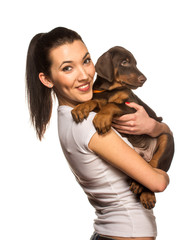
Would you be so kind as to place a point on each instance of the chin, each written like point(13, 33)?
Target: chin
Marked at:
point(85, 97)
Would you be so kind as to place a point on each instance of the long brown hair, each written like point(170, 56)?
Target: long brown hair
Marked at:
point(39, 97)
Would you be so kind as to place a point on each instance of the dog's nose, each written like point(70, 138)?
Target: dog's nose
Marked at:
point(142, 79)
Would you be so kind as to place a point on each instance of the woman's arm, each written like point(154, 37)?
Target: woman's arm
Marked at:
point(139, 123)
point(115, 151)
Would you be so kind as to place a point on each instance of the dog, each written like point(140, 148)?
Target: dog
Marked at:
point(117, 76)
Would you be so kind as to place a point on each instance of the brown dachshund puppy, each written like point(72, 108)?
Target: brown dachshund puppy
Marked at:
point(117, 75)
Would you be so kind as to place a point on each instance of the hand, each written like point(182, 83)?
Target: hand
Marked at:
point(135, 123)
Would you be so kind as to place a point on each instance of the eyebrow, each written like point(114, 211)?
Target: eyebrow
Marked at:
point(72, 61)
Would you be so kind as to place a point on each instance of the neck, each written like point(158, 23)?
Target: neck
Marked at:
point(63, 101)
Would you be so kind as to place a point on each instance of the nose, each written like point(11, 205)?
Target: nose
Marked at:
point(142, 79)
point(82, 74)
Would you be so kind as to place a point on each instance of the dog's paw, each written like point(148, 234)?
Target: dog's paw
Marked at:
point(102, 123)
point(148, 199)
point(135, 187)
point(80, 112)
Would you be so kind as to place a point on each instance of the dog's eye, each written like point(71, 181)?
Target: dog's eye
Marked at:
point(125, 62)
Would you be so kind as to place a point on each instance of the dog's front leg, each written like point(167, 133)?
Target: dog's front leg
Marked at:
point(103, 119)
point(82, 110)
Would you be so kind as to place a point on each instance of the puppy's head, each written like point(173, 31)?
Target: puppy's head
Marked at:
point(117, 68)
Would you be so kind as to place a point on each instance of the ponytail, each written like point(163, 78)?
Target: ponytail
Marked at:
point(39, 97)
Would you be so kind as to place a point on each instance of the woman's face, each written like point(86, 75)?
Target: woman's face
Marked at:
point(72, 73)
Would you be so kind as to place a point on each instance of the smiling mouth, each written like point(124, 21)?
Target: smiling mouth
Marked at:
point(85, 87)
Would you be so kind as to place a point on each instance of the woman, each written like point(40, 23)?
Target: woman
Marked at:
point(59, 62)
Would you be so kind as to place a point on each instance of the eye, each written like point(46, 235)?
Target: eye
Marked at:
point(87, 60)
point(67, 69)
point(125, 62)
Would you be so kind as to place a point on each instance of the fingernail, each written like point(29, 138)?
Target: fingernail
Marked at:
point(127, 102)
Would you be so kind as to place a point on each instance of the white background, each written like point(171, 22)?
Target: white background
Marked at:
point(39, 197)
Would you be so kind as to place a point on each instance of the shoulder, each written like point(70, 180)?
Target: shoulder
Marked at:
point(66, 119)
point(68, 129)
point(84, 130)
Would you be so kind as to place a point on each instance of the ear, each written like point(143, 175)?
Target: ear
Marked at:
point(104, 67)
point(45, 80)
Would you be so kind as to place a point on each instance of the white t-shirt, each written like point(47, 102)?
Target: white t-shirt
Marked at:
point(118, 211)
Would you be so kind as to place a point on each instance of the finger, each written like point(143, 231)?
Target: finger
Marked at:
point(124, 118)
point(120, 127)
point(133, 105)
point(124, 129)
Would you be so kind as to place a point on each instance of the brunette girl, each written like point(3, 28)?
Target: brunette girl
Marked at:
point(58, 62)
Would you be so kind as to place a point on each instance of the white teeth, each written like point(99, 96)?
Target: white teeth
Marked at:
point(84, 86)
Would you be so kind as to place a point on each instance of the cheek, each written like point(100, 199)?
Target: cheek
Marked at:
point(92, 71)
point(61, 82)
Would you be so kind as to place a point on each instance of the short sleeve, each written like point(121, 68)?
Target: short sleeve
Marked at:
point(83, 132)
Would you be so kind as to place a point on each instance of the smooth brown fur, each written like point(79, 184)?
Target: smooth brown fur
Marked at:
point(117, 75)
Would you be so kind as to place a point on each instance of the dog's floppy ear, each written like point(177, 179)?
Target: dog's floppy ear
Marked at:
point(104, 67)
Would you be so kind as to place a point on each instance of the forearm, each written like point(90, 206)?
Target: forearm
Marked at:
point(127, 160)
point(164, 178)
point(157, 128)
point(139, 123)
